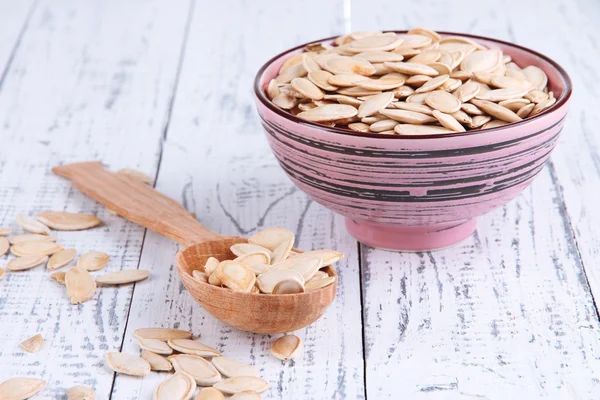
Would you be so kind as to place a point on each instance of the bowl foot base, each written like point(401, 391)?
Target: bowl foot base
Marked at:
point(410, 238)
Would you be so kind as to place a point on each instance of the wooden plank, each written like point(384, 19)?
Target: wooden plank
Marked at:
point(217, 163)
point(509, 312)
point(88, 82)
point(15, 16)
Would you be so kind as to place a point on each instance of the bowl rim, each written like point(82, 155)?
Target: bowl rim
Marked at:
point(260, 95)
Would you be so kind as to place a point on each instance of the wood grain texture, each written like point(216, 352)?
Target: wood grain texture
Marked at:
point(216, 162)
point(509, 313)
point(89, 81)
point(15, 18)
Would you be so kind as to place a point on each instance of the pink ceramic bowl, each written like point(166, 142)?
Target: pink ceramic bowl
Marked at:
point(420, 192)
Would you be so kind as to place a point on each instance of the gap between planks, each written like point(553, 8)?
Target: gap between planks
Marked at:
point(164, 137)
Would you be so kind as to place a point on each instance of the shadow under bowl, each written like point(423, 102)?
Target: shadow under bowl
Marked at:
point(252, 312)
point(414, 193)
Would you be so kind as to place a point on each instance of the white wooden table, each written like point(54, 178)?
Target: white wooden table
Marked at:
point(164, 86)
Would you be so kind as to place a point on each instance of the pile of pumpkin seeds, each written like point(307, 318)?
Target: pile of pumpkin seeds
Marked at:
point(267, 264)
point(39, 247)
point(408, 84)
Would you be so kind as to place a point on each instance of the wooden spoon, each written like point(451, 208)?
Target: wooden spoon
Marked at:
point(140, 203)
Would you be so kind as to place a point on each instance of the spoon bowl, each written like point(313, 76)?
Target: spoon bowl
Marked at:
point(140, 203)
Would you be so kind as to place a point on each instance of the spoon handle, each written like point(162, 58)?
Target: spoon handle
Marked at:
point(136, 202)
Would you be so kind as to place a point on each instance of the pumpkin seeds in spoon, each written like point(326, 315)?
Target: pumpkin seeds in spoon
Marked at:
point(179, 386)
point(319, 283)
point(240, 249)
point(66, 221)
point(157, 362)
point(203, 372)
point(328, 256)
point(32, 225)
point(266, 282)
point(128, 364)
point(235, 276)
point(93, 260)
point(23, 263)
point(241, 384)
point(123, 277)
point(290, 286)
point(163, 334)
point(80, 285)
point(305, 266)
point(286, 347)
point(193, 347)
point(232, 368)
point(61, 258)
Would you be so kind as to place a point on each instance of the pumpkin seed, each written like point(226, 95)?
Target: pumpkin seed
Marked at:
point(179, 386)
point(345, 80)
point(295, 71)
point(4, 231)
point(467, 91)
point(240, 249)
point(524, 111)
point(319, 283)
point(409, 68)
point(126, 363)
point(307, 88)
point(327, 256)
point(286, 347)
point(514, 104)
point(32, 225)
point(23, 263)
point(481, 61)
point(329, 112)
point(494, 124)
point(479, 120)
point(193, 347)
point(496, 110)
point(30, 237)
point(285, 101)
point(348, 65)
point(536, 96)
point(231, 368)
point(81, 393)
point(240, 384)
point(536, 76)
point(289, 286)
point(409, 117)
point(542, 106)
point(210, 393)
point(157, 363)
point(122, 277)
point(59, 276)
point(35, 248)
point(203, 372)
point(4, 245)
point(433, 84)
point(306, 266)
point(93, 260)
point(163, 334)
point(272, 89)
point(379, 56)
point(246, 395)
point(442, 101)
point(21, 388)
point(61, 258)
point(375, 43)
point(375, 104)
point(33, 344)
point(448, 121)
point(418, 80)
point(155, 346)
point(383, 125)
point(66, 221)
point(235, 276)
point(80, 285)
point(502, 94)
point(359, 127)
point(200, 276)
